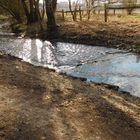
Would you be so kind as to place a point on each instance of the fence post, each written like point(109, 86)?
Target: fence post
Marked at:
point(80, 14)
point(105, 12)
point(63, 16)
point(114, 12)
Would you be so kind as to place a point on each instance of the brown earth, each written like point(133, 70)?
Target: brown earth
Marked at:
point(39, 104)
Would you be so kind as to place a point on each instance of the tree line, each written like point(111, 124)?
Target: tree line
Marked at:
point(90, 6)
point(30, 11)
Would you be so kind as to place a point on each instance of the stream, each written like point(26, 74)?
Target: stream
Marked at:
point(96, 64)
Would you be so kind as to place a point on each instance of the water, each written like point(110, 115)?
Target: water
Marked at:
point(96, 64)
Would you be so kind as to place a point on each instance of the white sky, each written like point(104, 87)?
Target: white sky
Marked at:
point(57, 1)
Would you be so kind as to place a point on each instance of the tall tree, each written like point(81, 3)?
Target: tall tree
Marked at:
point(31, 10)
point(50, 12)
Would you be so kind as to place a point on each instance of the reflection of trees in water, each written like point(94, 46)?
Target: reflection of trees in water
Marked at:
point(18, 47)
point(138, 59)
point(34, 55)
point(24, 49)
point(48, 54)
point(42, 52)
point(34, 51)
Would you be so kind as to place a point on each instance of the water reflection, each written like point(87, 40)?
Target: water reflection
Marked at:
point(97, 64)
point(34, 51)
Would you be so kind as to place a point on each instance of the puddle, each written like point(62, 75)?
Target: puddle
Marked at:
point(96, 64)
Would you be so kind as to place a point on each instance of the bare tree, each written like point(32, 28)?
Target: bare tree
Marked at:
point(129, 4)
point(73, 7)
point(89, 7)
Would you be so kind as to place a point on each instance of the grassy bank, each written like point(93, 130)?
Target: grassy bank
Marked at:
point(3, 17)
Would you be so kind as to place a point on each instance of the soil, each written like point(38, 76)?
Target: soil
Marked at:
point(40, 104)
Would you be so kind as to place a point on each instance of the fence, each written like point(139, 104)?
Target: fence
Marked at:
point(106, 9)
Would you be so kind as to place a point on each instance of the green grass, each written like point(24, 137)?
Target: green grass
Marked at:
point(137, 16)
point(2, 17)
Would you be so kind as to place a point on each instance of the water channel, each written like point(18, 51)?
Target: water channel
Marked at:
point(96, 64)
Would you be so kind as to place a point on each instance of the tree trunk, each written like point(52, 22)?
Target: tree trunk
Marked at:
point(33, 12)
point(27, 13)
point(50, 11)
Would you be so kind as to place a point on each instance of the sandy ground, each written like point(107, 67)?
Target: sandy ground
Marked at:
point(39, 104)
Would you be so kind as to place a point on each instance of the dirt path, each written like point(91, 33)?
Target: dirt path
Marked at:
point(39, 104)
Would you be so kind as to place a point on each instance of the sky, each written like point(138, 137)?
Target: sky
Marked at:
point(57, 0)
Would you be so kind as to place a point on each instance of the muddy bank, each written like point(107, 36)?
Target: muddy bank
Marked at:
point(122, 35)
point(37, 103)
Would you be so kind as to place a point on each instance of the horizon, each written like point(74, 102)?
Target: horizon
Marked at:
point(41, 1)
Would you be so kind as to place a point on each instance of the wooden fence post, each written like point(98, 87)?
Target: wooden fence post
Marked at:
point(105, 12)
point(80, 13)
point(63, 15)
point(114, 12)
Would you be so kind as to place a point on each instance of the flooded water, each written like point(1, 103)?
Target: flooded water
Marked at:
point(96, 64)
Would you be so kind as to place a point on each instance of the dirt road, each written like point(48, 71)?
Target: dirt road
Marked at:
point(39, 104)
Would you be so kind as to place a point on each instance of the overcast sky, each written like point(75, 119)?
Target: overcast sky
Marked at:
point(57, 0)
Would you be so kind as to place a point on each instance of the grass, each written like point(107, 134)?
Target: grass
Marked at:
point(100, 17)
point(3, 17)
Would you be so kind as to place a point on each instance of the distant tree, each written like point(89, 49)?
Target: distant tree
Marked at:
point(73, 7)
point(89, 7)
